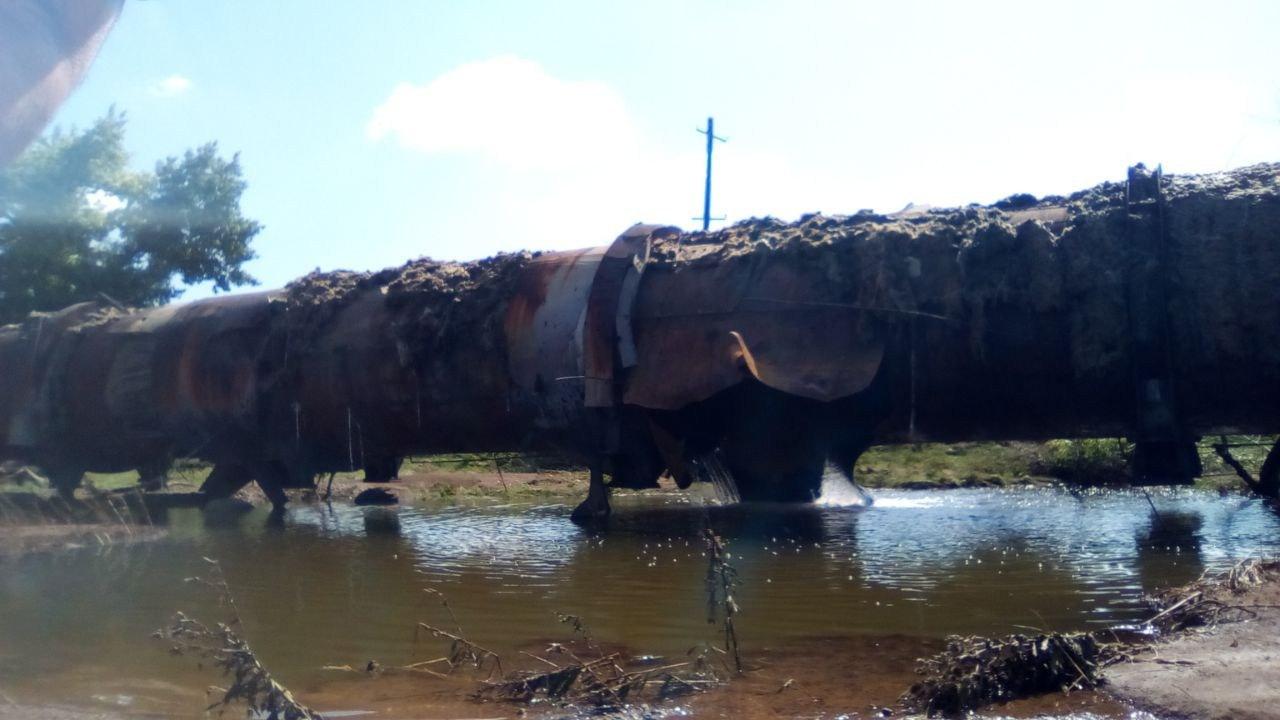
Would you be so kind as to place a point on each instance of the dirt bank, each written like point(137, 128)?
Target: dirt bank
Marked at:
point(1223, 664)
point(434, 485)
point(820, 677)
point(1206, 652)
point(858, 677)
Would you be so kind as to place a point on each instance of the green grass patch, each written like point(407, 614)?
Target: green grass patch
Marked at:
point(1089, 462)
point(107, 482)
point(947, 464)
point(490, 462)
point(1078, 462)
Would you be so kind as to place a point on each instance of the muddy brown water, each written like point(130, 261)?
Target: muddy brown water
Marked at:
point(344, 585)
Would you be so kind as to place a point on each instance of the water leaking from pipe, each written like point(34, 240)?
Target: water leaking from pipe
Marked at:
point(711, 468)
point(911, 368)
point(351, 453)
point(839, 491)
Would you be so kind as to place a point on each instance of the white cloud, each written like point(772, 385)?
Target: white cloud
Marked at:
point(549, 148)
point(565, 165)
point(172, 86)
point(508, 110)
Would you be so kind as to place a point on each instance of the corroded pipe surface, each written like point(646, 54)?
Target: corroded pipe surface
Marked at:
point(997, 323)
point(1147, 309)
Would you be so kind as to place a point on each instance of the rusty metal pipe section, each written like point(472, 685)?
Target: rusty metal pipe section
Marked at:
point(767, 350)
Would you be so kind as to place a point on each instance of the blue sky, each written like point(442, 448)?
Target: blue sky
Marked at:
point(374, 132)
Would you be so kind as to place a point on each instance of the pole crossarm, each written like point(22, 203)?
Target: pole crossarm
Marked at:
point(712, 138)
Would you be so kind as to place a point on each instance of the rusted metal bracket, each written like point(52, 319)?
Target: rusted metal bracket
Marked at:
point(608, 346)
point(1164, 453)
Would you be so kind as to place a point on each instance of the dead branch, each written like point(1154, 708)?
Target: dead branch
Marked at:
point(464, 652)
point(1197, 605)
point(975, 671)
point(230, 653)
point(720, 581)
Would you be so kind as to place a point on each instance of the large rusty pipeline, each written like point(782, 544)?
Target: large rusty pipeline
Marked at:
point(1148, 309)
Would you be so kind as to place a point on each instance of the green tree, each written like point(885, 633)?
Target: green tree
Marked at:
point(75, 223)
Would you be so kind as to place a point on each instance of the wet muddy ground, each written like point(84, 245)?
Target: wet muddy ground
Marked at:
point(836, 601)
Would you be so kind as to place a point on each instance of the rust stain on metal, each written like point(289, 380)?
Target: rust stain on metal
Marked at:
point(544, 333)
point(767, 345)
point(799, 343)
point(627, 255)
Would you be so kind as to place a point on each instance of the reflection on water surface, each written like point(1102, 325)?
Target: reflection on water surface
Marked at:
point(343, 585)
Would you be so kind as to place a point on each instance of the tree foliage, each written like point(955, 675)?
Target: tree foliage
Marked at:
point(76, 223)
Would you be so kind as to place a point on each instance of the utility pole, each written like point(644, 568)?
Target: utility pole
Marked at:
point(710, 132)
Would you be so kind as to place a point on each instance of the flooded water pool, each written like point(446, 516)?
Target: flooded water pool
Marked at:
point(345, 585)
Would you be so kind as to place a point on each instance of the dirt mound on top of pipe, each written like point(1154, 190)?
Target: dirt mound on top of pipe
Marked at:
point(313, 299)
point(440, 322)
point(438, 278)
point(950, 264)
point(443, 300)
point(320, 288)
point(435, 287)
point(1046, 284)
point(1018, 248)
point(80, 315)
point(422, 275)
point(450, 318)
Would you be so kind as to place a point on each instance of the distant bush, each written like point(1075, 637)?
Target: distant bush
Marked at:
point(1104, 461)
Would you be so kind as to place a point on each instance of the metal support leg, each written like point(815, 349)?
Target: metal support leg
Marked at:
point(65, 481)
point(596, 507)
point(154, 476)
point(1165, 453)
point(1175, 462)
point(272, 481)
point(1269, 476)
point(382, 468)
point(225, 480)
